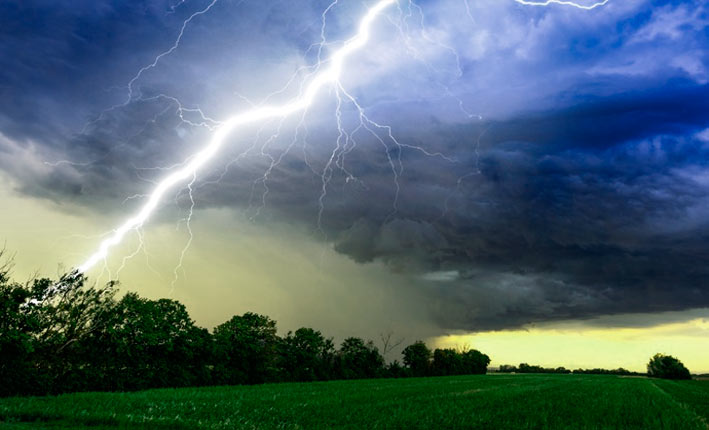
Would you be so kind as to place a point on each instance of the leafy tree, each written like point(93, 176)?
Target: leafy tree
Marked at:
point(46, 324)
point(474, 362)
point(306, 355)
point(16, 338)
point(359, 359)
point(451, 362)
point(245, 349)
point(446, 362)
point(417, 357)
point(667, 367)
point(150, 343)
point(527, 368)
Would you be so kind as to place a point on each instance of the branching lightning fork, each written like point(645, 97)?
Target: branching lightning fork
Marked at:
point(325, 72)
point(327, 76)
point(563, 3)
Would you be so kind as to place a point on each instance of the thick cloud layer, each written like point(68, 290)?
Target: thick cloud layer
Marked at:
point(548, 163)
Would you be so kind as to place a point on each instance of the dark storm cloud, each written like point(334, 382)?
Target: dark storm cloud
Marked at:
point(562, 234)
point(583, 191)
point(673, 108)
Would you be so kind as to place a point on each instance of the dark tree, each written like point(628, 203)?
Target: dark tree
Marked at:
point(44, 328)
point(530, 368)
point(306, 356)
point(245, 350)
point(358, 359)
point(474, 362)
point(451, 362)
point(17, 342)
point(667, 367)
point(150, 343)
point(446, 361)
point(417, 357)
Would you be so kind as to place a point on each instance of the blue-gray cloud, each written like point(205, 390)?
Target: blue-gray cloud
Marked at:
point(573, 181)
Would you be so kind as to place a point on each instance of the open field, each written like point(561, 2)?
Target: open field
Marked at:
point(471, 402)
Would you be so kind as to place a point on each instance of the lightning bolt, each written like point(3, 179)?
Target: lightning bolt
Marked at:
point(563, 3)
point(329, 75)
point(325, 72)
point(169, 51)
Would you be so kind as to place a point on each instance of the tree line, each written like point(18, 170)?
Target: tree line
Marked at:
point(531, 368)
point(69, 336)
point(660, 366)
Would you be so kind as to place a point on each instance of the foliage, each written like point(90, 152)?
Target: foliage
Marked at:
point(245, 349)
point(153, 341)
point(45, 328)
point(618, 371)
point(306, 356)
point(417, 357)
point(358, 359)
point(65, 335)
point(16, 340)
point(526, 368)
point(451, 362)
point(421, 362)
point(474, 362)
point(667, 367)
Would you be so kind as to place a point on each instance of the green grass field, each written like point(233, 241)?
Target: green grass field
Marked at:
point(467, 402)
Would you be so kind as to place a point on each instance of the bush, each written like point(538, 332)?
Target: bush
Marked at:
point(667, 367)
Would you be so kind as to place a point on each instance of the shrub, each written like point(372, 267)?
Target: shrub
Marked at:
point(667, 367)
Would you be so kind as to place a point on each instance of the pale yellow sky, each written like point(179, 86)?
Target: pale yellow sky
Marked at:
point(235, 265)
point(576, 345)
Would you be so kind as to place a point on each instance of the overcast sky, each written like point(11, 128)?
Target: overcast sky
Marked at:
point(545, 164)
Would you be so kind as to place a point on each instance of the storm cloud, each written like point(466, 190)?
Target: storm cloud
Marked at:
point(548, 163)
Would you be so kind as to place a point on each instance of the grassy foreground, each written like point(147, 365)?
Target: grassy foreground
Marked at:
point(462, 402)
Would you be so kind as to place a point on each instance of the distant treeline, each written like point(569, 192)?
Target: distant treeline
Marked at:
point(526, 368)
point(67, 336)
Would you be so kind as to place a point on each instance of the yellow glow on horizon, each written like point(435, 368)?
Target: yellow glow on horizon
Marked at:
point(583, 345)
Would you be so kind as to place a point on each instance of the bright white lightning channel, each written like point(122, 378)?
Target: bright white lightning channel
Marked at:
point(563, 3)
point(330, 75)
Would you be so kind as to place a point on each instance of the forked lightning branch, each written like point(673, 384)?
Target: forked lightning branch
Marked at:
point(328, 72)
